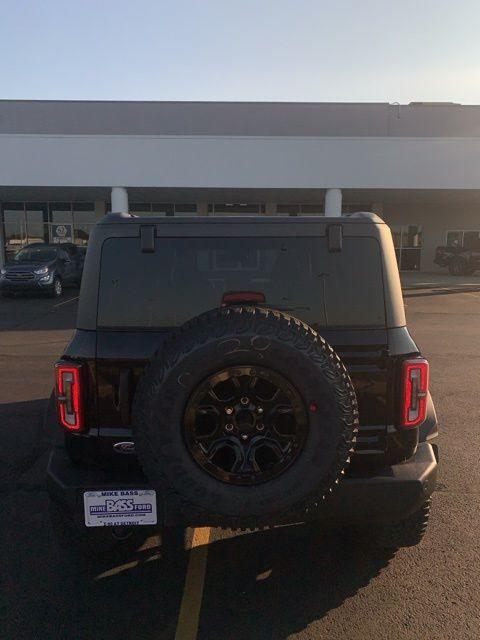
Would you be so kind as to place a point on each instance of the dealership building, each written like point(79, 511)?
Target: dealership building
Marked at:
point(63, 165)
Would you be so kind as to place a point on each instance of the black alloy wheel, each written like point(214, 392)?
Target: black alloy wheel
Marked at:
point(245, 425)
point(57, 287)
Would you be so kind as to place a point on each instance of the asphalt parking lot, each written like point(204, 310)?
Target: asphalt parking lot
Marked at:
point(284, 583)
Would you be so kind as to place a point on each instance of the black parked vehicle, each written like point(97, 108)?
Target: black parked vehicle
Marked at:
point(40, 268)
point(76, 253)
point(461, 259)
point(241, 373)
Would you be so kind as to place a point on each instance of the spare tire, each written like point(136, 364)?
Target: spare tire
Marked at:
point(246, 415)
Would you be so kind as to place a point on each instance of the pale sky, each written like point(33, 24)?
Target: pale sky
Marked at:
point(272, 50)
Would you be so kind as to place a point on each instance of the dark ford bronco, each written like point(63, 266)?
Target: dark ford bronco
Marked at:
point(242, 373)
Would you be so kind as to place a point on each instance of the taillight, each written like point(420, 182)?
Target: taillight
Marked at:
point(415, 391)
point(68, 391)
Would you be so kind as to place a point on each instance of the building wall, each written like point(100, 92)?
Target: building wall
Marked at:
point(436, 220)
point(218, 162)
point(81, 117)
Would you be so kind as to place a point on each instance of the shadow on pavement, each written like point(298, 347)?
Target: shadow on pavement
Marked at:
point(49, 590)
point(439, 292)
point(261, 585)
point(58, 593)
point(34, 313)
point(22, 439)
point(275, 583)
point(268, 584)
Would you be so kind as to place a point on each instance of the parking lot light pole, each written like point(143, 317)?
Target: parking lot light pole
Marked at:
point(333, 202)
point(119, 200)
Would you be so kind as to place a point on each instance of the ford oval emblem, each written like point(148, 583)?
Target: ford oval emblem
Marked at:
point(127, 448)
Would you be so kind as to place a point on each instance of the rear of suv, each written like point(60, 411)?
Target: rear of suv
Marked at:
point(242, 373)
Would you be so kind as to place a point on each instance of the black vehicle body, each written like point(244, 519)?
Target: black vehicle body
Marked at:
point(393, 470)
point(76, 254)
point(38, 275)
point(459, 260)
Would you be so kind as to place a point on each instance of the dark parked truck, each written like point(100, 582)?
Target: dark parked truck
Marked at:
point(242, 373)
point(461, 259)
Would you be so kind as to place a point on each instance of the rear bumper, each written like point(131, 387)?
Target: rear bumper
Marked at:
point(392, 494)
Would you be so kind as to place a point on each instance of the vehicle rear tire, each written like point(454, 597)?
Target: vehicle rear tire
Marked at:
point(402, 533)
point(458, 267)
point(237, 469)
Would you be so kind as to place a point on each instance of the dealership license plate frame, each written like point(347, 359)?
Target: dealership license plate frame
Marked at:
point(120, 507)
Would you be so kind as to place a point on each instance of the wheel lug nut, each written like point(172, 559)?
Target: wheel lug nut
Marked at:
point(260, 426)
point(229, 411)
point(259, 409)
point(229, 426)
point(244, 400)
point(244, 436)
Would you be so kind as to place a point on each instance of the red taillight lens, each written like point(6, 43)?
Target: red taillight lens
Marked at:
point(68, 391)
point(415, 391)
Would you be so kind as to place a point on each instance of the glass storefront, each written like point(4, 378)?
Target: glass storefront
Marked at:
point(300, 209)
point(407, 240)
point(467, 239)
point(27, 222)
point(14, 226)
point(161, 209)
point(235, 209)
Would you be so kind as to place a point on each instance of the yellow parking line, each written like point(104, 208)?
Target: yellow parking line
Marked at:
point(189, 616)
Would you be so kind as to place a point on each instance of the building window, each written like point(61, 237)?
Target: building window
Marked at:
point(28, 222)
point(83, 221)
point(162, 209)
point(15, 227)
point(235, 209)
point(60, 222)
point(185, 209)
point(288, 209)
point(407, 240)
point(300, 209)
point(60, 212)
point(454, 238)
point(312, 209)
point(36, 216)
point(471, 240)
point(463, 238)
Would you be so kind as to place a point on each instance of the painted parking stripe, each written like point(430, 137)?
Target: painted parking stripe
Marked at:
point(59, 304)
point(189, 616)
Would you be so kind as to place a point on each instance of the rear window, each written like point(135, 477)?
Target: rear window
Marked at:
point(187, 276)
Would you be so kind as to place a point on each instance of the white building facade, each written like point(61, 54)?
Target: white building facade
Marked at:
point(64, 164)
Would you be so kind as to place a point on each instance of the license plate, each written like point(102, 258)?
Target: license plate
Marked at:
point(120, 507)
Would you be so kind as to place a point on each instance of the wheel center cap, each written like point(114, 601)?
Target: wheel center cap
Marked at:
point(245, 420)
